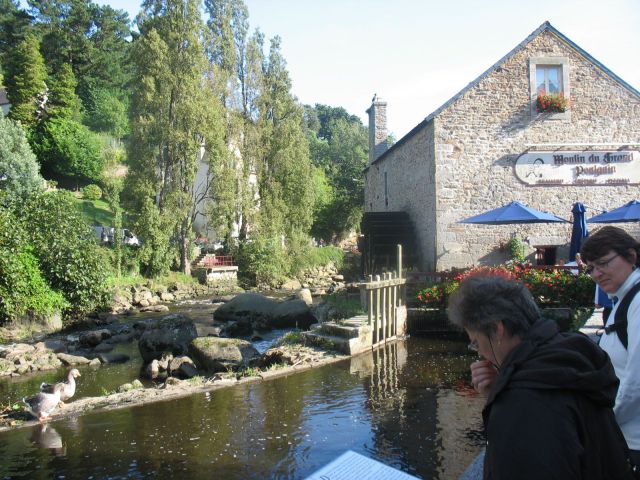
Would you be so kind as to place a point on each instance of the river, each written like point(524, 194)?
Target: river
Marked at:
point(407, 406)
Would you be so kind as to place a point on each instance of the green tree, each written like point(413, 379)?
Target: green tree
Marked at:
point(70, 259)
point(106, 112)
point(339, 145)
point(19, 169)
point(174, 115)
point(14, 25)
point(68, 148)
point(63, 101)
point(25, 79)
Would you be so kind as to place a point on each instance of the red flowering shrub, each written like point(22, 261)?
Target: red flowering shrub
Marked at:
point(551, 102)
point(548, 287)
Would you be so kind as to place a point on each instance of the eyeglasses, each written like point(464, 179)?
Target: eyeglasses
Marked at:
point(601, 266)
point(473, 346)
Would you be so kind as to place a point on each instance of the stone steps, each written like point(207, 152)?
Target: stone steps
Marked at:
point(349, 336)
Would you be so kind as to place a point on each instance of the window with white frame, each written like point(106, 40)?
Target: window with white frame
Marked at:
point(549, 87)
point(549, 79)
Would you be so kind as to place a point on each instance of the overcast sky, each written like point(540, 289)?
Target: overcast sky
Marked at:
point(416, 54)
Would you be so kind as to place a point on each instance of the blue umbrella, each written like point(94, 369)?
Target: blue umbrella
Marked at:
point(579, 231)
point(514, 212)
point(629, 212)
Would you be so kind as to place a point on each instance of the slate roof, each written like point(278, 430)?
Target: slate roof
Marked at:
point(545, 26)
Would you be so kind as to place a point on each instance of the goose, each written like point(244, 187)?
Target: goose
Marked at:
point(43, 404)
point(69, 387)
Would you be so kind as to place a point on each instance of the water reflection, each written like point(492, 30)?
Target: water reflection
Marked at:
point(45, 436)
point(388, 405)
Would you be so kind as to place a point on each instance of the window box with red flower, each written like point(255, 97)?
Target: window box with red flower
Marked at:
point(552, 102)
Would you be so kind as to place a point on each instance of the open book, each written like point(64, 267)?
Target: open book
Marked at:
point(353, 466)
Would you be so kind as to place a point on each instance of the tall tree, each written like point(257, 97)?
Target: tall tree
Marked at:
point(173, 116)
point(63, 101)
point(14, 25)
point(25, 80)
point(285, 174)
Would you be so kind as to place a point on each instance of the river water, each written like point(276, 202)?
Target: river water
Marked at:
point(407, 405)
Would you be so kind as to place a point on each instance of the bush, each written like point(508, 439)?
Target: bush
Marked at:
point(92, 192)
point(549, 287)
point(23, 288)
point(71, 261)
point(18, 164)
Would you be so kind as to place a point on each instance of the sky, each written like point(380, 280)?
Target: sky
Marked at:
point(417, 54)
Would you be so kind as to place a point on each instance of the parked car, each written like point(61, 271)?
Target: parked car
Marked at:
point(105, 235)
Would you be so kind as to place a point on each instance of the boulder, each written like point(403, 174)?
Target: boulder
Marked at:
point(56, 346)
point(214, 354)
point(292, 313)
point(304, 294)
point(171, 335)
point(291, 285)
point(182, 367)
point(73, 359)
point(155, 308)
point(113, 357)
point(167, 297)
point(94, 337)
point(246, 307)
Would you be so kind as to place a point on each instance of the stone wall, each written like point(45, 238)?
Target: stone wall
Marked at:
point(461, 163)
point(410, 188)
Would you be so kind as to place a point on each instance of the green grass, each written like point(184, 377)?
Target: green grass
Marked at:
point(167, 280)
point(96, 212)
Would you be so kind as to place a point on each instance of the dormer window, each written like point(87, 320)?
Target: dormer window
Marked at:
point(549, 82)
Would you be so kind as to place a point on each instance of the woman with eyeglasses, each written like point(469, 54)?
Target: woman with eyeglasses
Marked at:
point(550, 395)
point(612, 255)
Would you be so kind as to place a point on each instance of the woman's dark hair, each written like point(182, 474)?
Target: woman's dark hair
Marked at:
point(483, 300)
point(608, 239)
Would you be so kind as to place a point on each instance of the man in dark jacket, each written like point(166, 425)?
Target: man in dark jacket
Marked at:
point(549, 407)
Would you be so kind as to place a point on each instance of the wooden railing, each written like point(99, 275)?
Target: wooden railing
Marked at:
point(384, 295)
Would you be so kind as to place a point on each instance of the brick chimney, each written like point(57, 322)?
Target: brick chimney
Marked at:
point(377, 128)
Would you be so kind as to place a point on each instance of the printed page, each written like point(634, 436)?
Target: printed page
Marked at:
point(353, 466)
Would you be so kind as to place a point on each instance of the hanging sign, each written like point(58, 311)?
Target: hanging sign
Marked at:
point(618, 167)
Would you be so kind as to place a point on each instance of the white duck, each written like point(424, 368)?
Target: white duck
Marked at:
point(43, 404)
point(69, 387)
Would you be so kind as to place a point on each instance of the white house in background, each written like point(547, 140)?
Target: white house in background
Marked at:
point(4, 101)
point(202, 224)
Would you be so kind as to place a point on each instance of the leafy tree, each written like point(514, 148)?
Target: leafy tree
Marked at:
point(70, 259)
point(19, 169)
point(68, 148)
point(173, 115)
point(25, 79)
point(339, 145)
point(106, 112)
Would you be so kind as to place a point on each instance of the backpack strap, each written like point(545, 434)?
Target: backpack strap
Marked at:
point(620, 321)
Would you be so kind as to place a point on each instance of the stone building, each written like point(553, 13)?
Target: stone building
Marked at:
point(490, 145)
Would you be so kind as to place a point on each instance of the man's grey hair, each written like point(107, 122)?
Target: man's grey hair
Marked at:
point(483, 300)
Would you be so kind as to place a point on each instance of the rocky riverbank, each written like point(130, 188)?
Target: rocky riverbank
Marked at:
point(278, 361)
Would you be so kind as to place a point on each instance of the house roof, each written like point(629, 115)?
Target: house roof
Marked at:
point(545, 26)
point(3, 96)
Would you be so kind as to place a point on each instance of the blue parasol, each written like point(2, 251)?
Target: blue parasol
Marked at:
point(514, 212)
point(579, 231)
point(629, 212)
